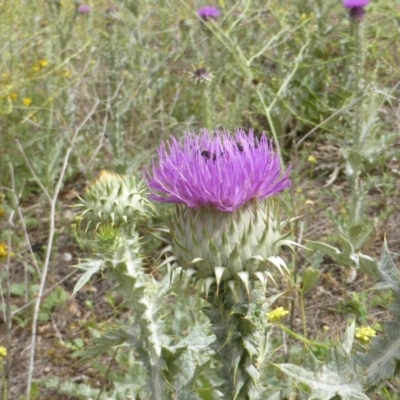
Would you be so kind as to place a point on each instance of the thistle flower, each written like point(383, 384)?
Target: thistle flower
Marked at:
point(201, 75)
point(84, 9)
point(224, 226)
point(208, 12)
point(356, 8)
point(112, 13)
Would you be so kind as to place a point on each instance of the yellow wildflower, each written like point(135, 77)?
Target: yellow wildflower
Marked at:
point(13, 96)
point(3, 249)
point(66, 73)
point(277, 314)
point(312, 160)
point(3, 352)
point(27, 101)
point(36, 68)
point(2, 212)
point(365, 333)
point(43, 63)
point(5, 77)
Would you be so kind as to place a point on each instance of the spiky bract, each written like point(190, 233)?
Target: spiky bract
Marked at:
point(218, 246)
point(116, 199)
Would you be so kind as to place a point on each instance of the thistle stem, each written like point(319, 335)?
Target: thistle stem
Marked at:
point(240, 338)
point(354, 167)
point(302, 338)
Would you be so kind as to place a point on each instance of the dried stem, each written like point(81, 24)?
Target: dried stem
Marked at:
point(53, 202)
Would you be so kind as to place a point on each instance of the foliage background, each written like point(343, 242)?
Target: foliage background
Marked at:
point(80, 93)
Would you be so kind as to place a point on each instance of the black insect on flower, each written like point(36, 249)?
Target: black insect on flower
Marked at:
point(207, 155)
point(239, 146)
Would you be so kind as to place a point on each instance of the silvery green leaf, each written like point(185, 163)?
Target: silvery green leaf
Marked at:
point(91, 267)
point(347, 256)
point(359, 234)
point(354, 161)
point(309, 279)
point(332, 252)
point(335, 378)
point(380, 362)
point(100, 345)
point(79, 391)
point(184, 393)
point(388, 271)
point(198, 339)
point(348, 340)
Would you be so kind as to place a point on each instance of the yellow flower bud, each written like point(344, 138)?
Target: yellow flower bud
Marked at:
point(365, 333)
point(27, 101)
point(312, 160)
point(3, 352)
point(277, 314)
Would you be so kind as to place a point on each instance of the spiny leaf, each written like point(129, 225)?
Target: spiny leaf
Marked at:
point(100, 345)
point(347, 256)
point(90, 268)
point(336, 378)
point(380, 362)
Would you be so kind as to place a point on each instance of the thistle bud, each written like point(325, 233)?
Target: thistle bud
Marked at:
point(116, 199)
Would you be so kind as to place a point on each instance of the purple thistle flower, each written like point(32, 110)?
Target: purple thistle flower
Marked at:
point(220, 171)
point(208, 12)
point(355, 3)
point(356, 8)
point(84, 9)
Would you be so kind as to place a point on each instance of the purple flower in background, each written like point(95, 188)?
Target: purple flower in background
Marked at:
point(356, 8)
point(84, 9)
point(208, 12)
point(355, 3)
point(220, 171)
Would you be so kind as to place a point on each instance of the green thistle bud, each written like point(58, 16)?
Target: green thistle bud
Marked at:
point(116, 199)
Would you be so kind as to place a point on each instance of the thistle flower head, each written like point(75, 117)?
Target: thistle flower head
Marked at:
point(220, 171)
point(355, 3)
point(208, 12)
point(224, 227)
point(84, 9)
point(356, 8)
point(201, 75)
